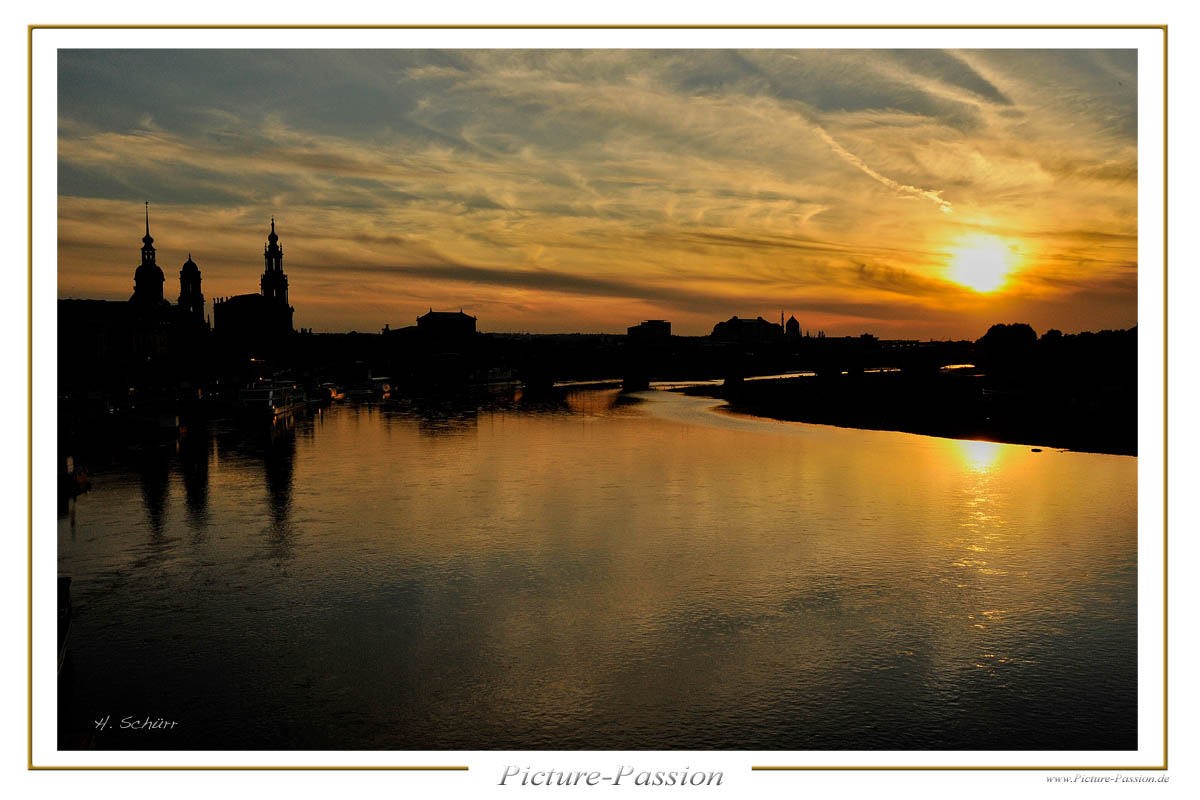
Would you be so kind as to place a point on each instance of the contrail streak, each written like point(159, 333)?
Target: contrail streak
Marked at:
point(912, 191)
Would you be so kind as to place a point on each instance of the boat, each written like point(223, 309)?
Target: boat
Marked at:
point(370, 389)
point(381, 387)
point(271, 401)
point(318, 396)
point(325, 393)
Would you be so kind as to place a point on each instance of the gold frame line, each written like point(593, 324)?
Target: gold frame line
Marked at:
point(29, 320)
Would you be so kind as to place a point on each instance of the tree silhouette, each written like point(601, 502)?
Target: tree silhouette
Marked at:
point(1006, 348)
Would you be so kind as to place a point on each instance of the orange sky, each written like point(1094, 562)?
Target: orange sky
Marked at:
point(907, 193)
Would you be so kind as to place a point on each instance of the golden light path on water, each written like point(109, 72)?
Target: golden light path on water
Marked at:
point(602, 570)
point(978, 456)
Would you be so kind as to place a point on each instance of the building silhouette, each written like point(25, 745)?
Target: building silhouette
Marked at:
point(792, 328)
point(446, 324)
point(651, 331)
point(110, 346)
point(262, 319)
point(148, 277)
point(274, 282)
point(442, 348)
point(147, 324)
point(191, 298)
point(747, 331)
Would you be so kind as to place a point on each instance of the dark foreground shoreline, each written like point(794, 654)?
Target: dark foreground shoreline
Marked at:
point(947, 405)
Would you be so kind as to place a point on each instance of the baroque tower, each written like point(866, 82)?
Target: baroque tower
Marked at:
point(262, 321)
point(274, 285)
point(191, 300)
point(148, 279)
point(274, 282)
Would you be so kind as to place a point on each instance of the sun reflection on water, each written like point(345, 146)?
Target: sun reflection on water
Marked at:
point(978, 456)
point(982, 524)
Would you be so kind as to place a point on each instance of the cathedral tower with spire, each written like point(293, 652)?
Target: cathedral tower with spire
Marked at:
point(274, 282)
point(148, 278)
point(260, 321)
point(274, 285)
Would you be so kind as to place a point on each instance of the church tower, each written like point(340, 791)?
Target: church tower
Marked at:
point(274, 285)
point(191, 300)
point(148, 279)
point(274, 281)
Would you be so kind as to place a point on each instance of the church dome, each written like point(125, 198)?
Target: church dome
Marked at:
point(148, 272)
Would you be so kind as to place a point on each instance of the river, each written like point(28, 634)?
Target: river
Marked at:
point(600, 571)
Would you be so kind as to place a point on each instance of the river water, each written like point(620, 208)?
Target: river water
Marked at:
point(600, 571)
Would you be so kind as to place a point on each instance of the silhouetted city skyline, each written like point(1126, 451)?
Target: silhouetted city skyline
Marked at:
point(267, 313)
point(162, 360)
point(887, 192)
point(595, 399)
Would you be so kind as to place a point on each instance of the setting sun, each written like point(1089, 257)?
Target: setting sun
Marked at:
point(585, 190)
point(982, 263)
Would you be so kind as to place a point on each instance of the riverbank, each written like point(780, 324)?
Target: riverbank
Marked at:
point(1094, 419)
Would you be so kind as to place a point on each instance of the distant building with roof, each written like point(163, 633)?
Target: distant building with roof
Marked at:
point(446, 325)
point(792, 328)
point(651, 331)
point(747, 331)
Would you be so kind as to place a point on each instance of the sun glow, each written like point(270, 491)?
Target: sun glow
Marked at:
point(977, 456)
point(981, 262)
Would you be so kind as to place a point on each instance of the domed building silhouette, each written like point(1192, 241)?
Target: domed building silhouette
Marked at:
point(138, 336)
point(148, 278)
point(191, 299)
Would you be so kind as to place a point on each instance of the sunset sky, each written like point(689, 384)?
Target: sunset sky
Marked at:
point(906, 193)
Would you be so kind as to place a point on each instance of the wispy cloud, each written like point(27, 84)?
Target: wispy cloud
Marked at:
point(585, 188)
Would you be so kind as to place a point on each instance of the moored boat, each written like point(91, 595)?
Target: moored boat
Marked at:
point(271, 401)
